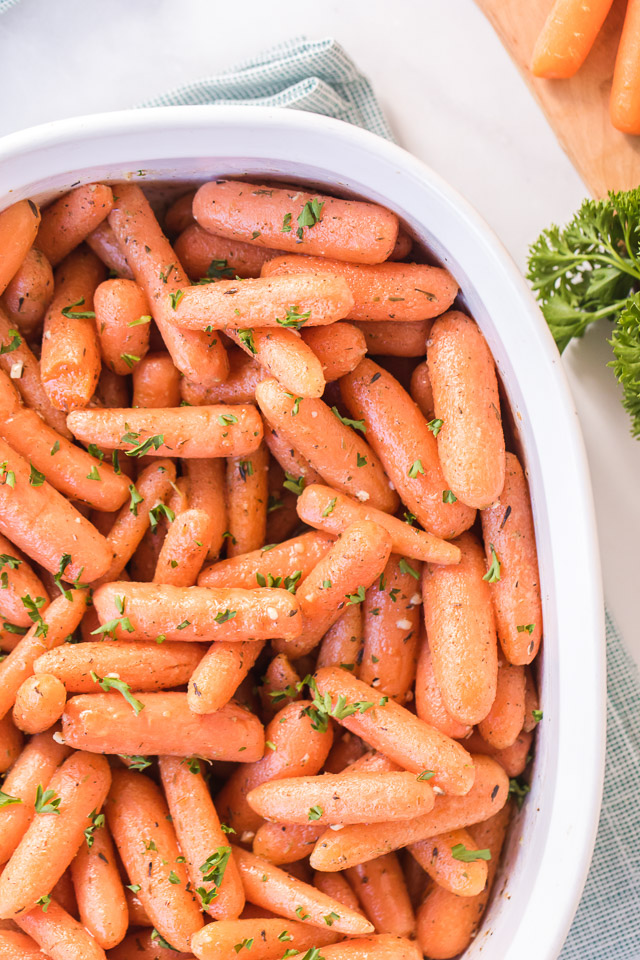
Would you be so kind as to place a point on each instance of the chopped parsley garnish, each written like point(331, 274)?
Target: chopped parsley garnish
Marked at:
point(114, 683)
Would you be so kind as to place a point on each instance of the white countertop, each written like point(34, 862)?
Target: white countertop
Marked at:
point(453, 98)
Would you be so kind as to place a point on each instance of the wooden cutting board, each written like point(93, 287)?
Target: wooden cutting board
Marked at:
point(577, 109)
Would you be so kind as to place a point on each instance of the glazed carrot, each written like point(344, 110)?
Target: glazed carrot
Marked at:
point(267, 939)
point(51, 841)
point(284, 355)
point(402, 440)
point(145, 945)
point(358, 843)
point(391, 616)
point(339, 579)
point(179, 214)
point(292, 898)
point(70, 360)
point(39, 703)
point(216, 431)
point(394, 338)
point(299, 749)
point(343, 798)
point(288, 843)
point(199, 613)
point(220, 672)
point(465, 396)
point(156, 382)
point(282, 519)
point(337, 886)
point(531, 703)
point(205, 255)
point(15, 945)
point(287, 301)
point(143, 666)
point(139, 821)
point(8, 640)
point(625, 99)
point(384, 291)
point(59, 620)
point(239, 387)
point(339, 348)
point(59, 934)
point(105, 245)
point(382, 891)
point(329, 510)
point(341, 645)
point(66, 466)
point(137, 914)
point(508, 527)
point(567, 36)
point(105, 722)
point(279, 686)
point(429, 705)
point(184, 549)
point(281, 560)
point(122, 323)
point(403, 245)
point(338, 453)
point(464, 877)
point(206, 492)
point(246, 496)
point(18, 228)
point(11, 741)
point(112, 391)
point(346, 750)
point(70, 219)
point(421, 392)
point(199, 356)
point(461, 633)
point(382, 947)
point(297, 221)
point(512, 759)
point(447, 923)
point(202, 840)
point(36, 765)
point(17, 579)
point(503, 723)
point(288, 457)
point(19, 358)
point(397, 733)
point(102, 904)
point(29, 293)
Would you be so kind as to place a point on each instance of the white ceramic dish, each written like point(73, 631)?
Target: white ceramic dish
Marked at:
point(552, 840)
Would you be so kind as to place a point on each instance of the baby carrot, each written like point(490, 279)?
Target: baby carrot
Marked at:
point(246, 495)
point(140, 823)
point(509, 536)
point(402, 439)
point(137, 914)
point(357, 843)
point(266, 938)
point(391, 615)
point(102, 904)
point(184, 549)
point(39, 703)
point(625, 98)
point(297, 221)
point(197, 613)
point(394, 731)
point(337, 886)
point(70, 219)
point(531, 702)
point(54, 835)
point(70, 360)
point(279, 686)
point(382, 947)
point(466, 400)
point(29, 293)
point(289, 459)
point(179, 214)
point(49, 630)
point(220, 672)
point(205, 255)
point(239, 387)
point(156, 382)
point(421, 392)
point(59, 934)
point(446, 861)
point(284, 355)
point(206, 492)
point(503, 723)
point(384, 291)
point(329, 510)
point(292, 898)
point(18, 228)
point(198, 355)
point(11, 741)
point(16, 581)
point(341, 645)
point(461, 633)
point(567, 36)
point(286, 842)
point(143, 666)
point(279, 561)
point(122, 323)
point(429, 704)
point(15, 945)
point(381, 889)
point(105, 245)
point(339, 348)
point(513, 759)
point(338, 452)
point(395, 338)
point(107, 723)
point(216, 431)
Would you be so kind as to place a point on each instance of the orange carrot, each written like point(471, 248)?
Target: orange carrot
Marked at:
point(280, 561)
point(220, 672)
point(184, 549)
point(421, 392)
point(54, 835)
point(39, 703)
point(105, 245)
point(507, 528)
point(531, 703)
point(283, 355)
point(246, 496)
point(382, 947)
point(395, 338)
point(239, 387)
point(18, 228)
point(59, 934)
point(205, 255)
point(70, 219)
point(179, 214)
point(464, 877)
point(112, 391)
point(139, 821)
point(102, 904)
point(342, 643)
point(29, 293)
point(122, 322)
point(503, 723)
point(11, 741)
point(339, 348)
point(15, 945)
point(288, 843)
point(429, 705)
point(512, 759)
point(337, 886)
point(16, 581)
point(382, 891)
point(156, 382)
point(137, 914)
point(289, 459)
point(296, 221)
point(567, 36)
point(625, 96)
point(265, 938)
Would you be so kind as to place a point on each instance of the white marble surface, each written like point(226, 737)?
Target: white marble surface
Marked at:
point(453, 98)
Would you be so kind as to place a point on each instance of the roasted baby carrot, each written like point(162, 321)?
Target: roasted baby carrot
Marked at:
point(11, 741)
point(122, 322)
point(220, 672)
point(205, 255)
point(70, 219)
point(265, 938)
point(341, 645)
point(246, 496)
point(567, 36)
point(382, 947)
point(102, 904)
point(179, 214)
point(279, 561)
point(18, 228)
point(156, 382)
point(291, 461)
point(531, 702)
point(282, 843)
point(296, 221)
point(448, 859)
point(512, 759)
point(466, 400)
point(429, 703)
point(337, 886)
point(105, 245)
point(279, 686)
point(381, 889)
point(39, 703)
point(284, 355)
point(206, 492)
point(421, 392)
point(29, 293)
point(395, 338)
point(239, 387)
point(17, 579)
point(59, 934)
point(503, 723)
point(339, 348)
point(107, 723)
point(184, 549)
point(15, 945)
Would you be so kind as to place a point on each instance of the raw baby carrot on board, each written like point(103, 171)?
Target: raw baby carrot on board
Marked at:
point(205, 255)
point(39, 703)
point(105, 245)
point(156, 382)
point(18, 228)
point(283, 354)
point(122, 322)
point(99, 889)
point(625, 89)
point(567, 36)
point(67, 221)
point(296, 221)
point(29, 293)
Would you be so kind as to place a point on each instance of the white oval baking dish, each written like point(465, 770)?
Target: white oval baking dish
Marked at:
point(551, 842)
